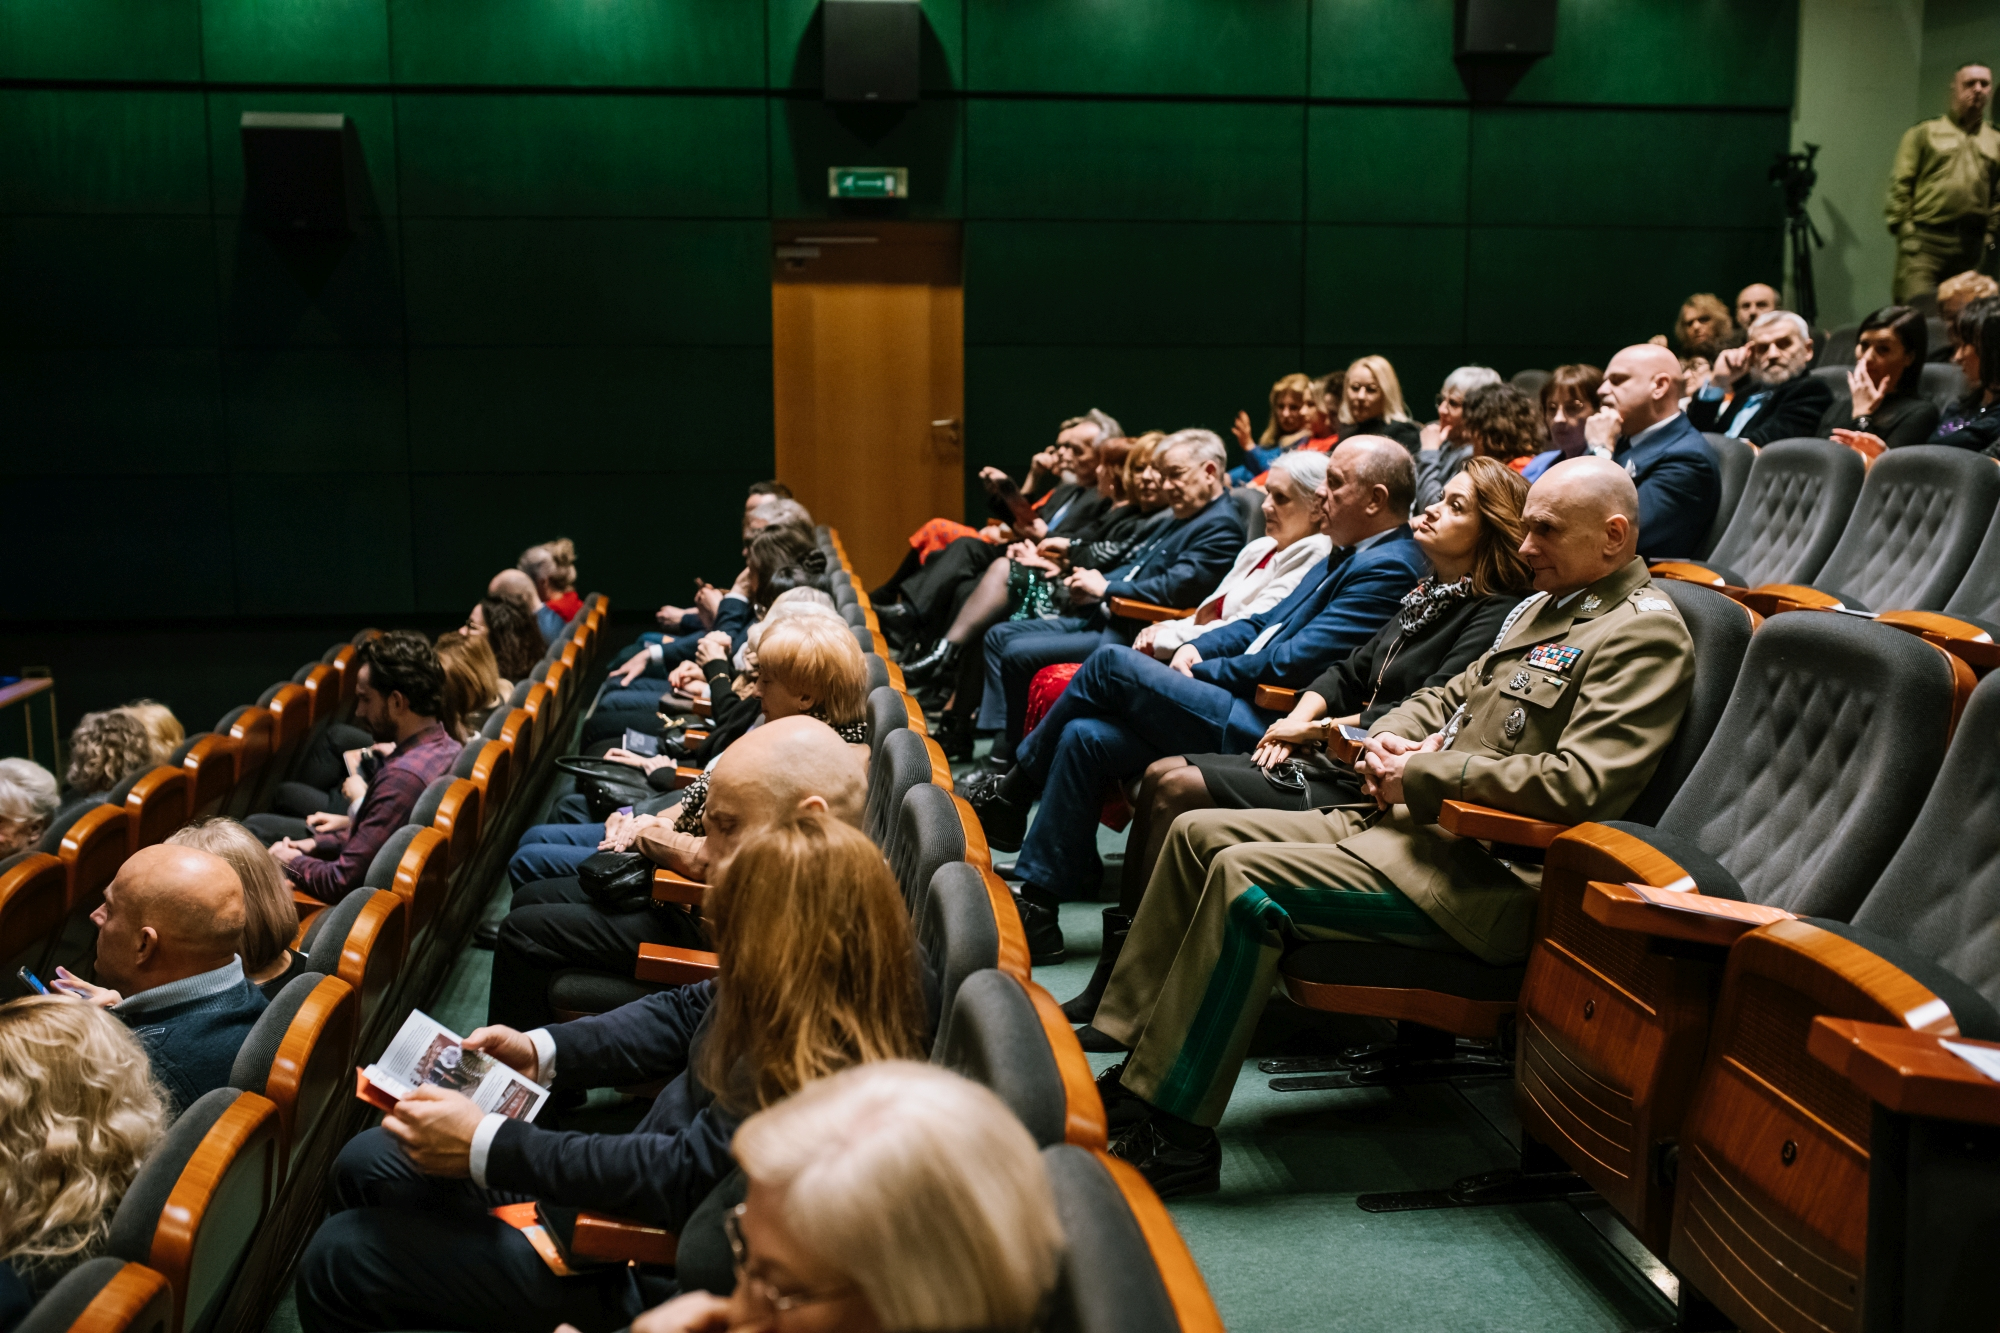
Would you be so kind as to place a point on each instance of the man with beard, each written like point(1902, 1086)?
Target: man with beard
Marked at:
point(1761, 391)
point(1640, 424)
point(398, 695)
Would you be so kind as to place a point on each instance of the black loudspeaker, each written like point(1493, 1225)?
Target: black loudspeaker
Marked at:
point(1505, 28)
point(298, 173)
point(871, 49)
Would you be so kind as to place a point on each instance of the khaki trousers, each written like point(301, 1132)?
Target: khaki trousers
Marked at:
point(1926, 256)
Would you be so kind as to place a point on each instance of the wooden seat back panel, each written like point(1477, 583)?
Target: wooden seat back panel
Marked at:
point(156, 807)
point(216, 1208)
point(371, 956)
point(423, 878)
point(34, 903)
point(309, 1073)
point(458, 819)
point(211, 766)
point(93, 849)
point(291, 719)
point(136, 1300)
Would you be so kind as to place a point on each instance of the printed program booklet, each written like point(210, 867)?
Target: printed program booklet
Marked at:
point(426, 1052)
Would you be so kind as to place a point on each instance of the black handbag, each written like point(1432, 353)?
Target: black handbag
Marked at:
point(606, 786)
point(617, 881)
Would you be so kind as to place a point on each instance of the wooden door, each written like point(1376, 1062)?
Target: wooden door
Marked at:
point(867, 355)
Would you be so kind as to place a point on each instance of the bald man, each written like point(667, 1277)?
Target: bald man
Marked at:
point(796, 763)
point(1564, 719)
point(517, 587)
point(1640, 425)
point(167, 935)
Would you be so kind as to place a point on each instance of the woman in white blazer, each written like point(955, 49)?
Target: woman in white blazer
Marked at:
point(1269, 568)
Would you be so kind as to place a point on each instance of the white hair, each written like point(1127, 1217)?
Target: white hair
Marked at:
point(1204, 445)
point(1467, 378)
point(28, 791)
point(1107, 425)
point(921, 1187)
point(1306, 467)
point(1798, 323)
point(816, 603)
point(775, 510)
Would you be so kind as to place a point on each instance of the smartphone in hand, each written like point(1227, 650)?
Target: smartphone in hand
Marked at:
point(31, 981)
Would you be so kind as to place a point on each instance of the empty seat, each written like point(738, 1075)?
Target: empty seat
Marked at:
point(361, 940)
point(104, 1296)
point(1969, 623)
point(193, 1209)
point(969, 925)
point(322, 686)
point(928, 835)
point(897, 762)
point(1125, 1267)
point(1733, 460)
point(1011, 1036)
point(489, 766)
point(291, 710)
point(300, 1055)
point(1792, 512)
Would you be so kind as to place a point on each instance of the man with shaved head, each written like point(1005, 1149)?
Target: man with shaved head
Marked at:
point(777, 769)
point(167, 935)
point(1563, 719)
point(1124, 708)
point(1640, 425)
point(515, 586)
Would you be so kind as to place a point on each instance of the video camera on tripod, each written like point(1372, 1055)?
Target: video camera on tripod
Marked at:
point(1794, 173)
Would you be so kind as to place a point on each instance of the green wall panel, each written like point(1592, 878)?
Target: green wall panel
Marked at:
point(1392, 49)
point(296, 41)
point(277, 561)
point(144, 558)
point(1688, 52)
point(588, 283)
point(1511, 300)
point(609, 43)
point(1387, 285)
point(106, 281)
point(282, 291)
point(1243, 48)
point(136, 410)
point(330, 411)
point(1380, 164)
point(1140, 284)
point(597, 410)
point(102, 152)
point(374, 119)
point(808, 136)
point(1152, 160)
point(1663, 168)
point(586, 156)
point(100, 39)
point(797, 54)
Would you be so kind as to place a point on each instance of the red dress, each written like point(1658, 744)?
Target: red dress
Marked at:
point(566, 603)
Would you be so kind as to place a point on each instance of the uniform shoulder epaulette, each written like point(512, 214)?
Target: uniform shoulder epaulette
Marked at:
point(1650, 598)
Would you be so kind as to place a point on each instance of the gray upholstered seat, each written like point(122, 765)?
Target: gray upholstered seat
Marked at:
point(67, 814)
point(1110, 1282)
point(1978, 596)
point(853, 614)
point(1793, 509)
point(996, 1038)
point(467, 757)
point(1733, 461)
point(520, 694)
point(928, 835)
point(333, 926)
point(382, 870)
point(1836, 352)
point(426, 808)
point(898, 762)
point(332, 651)
point(64, 1304)
point(1922, 514)
point(877, 669)
point(959, 935)
point(1250, 504)
point(496, 721)
point(580, 991)
point(271, 692)
point(862, 638)
point(1942, 383)
point(260, 1045)
point(886, 713)
point(305, 670)
point(188, 743)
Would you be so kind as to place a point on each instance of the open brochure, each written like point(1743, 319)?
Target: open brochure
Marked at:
point(426, 1052)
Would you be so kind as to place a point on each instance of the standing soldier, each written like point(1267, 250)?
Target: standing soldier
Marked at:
point(1944, 196)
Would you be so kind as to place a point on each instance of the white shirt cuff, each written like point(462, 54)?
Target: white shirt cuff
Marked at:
point(655, 651)
point(545, 1056)
point(734, 596)
point(482, 1144)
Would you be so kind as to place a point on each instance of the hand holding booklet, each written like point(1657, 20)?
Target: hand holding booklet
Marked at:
point(426, 1052)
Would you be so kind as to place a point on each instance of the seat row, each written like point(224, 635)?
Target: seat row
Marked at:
point(205, 1236)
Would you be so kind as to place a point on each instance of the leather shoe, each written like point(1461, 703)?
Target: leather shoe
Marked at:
point(1122, 1108)
point(933, 665)
point(1044, 931)
point(1098, 1042)
point(1169, 1168)
point(486, 935)
point(1005, 820)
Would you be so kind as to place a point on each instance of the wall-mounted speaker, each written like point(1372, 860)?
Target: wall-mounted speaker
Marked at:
point(1505, 28)
point(871, 49)
point(298, 173)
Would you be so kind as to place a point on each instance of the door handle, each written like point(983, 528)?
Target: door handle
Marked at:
point(946, 440)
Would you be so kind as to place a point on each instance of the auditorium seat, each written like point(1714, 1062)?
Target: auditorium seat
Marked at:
point(851, 612)
point(93, 848)
point(1941, 382)
point(540, 706)
point(412, 864)
point(1820, 762)
point(1775, 1155)
point(251, 728)
point(104, 1295)
point(901, 760)
point(1836, 352)
point(1734, 459)
point(211, 767)
point(361, 940)
point(489, 766)
point(886, 713)
point(927, 835)
point(877, 668)
point(1970, 621)
point(195, 1206)
point(291, 719)
point(1794, 507)
point(34, 903)
point(1125, 1267)
point(968, 925)
point(155, 807)
point(1011, 1035)
point(457, 817)
point(1922, 514)
point(300, 1056)
point(321, 683)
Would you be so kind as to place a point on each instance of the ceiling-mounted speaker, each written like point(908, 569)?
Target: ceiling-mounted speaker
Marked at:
point(299, 173)
point(1505, 28)
point(871, 49)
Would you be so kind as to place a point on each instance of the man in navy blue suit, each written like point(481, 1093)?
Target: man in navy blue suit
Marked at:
point(1178, 565)
point(1125, 709)
point(1641, 421)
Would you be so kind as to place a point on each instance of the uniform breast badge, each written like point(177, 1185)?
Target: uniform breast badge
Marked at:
point(1516, 723)
point(1519, 682)
point(1591, 602)
point(1555, 658)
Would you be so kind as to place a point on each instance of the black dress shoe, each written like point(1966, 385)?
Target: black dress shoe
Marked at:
point(486, 935)
point(1083, 1007)
point(1004, 818)
point(1097, 1042)
point(934, 665)
point(900, 614)
point(1044, 931)
point(1170, 1168)
point(1122, 1108)
point(997, 765)
point(954, 735)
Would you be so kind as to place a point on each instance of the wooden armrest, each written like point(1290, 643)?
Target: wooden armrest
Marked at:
point(694, 735)
point(1687, 571)
point(667, 965)
point(305, 899)
point(703, 708)
point(1128, 609)
point(1276, 698)
point(618, 1240)
point(1771, 598)
point(683, 776)
point(1908, 1072)
point(669, 887)
point(1679, 914)
point(1960, 638)
point(1489, 825)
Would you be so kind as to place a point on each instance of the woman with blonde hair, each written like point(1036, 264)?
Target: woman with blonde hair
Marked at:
point(1284, 429)
point(471, 683)
point(816, 971)
point(105, 749)
point(1472, 538)
point(270, 917)
point(892, 1196)
point(79, 1112)
point(161, 725)
point(1371, 403)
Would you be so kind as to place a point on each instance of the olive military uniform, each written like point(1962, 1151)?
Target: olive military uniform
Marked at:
point(1944, 203)
point(1564, 719)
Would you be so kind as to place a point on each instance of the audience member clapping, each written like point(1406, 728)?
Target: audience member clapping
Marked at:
point(79, 1113)
point(28, 801)
point(270, 917)
point(1882, 398)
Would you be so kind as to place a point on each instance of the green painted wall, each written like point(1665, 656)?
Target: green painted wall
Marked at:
point(555, 317)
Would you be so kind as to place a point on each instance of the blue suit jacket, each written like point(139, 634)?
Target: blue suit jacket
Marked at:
point(1679, 489)
point(1185, 563)
point(1336, 608)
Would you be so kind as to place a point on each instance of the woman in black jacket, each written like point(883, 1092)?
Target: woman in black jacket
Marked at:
point(1882, 387)
point(1472, 537)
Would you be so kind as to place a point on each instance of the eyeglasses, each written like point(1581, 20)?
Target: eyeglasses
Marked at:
point(1452, 399)
point(779, 1302)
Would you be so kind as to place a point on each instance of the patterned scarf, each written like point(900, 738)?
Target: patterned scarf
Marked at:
point(1429, 600)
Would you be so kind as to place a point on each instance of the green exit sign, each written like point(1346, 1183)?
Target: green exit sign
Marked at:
point(867, 183)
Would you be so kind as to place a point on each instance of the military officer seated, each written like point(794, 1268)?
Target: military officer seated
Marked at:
point(1564, 719)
